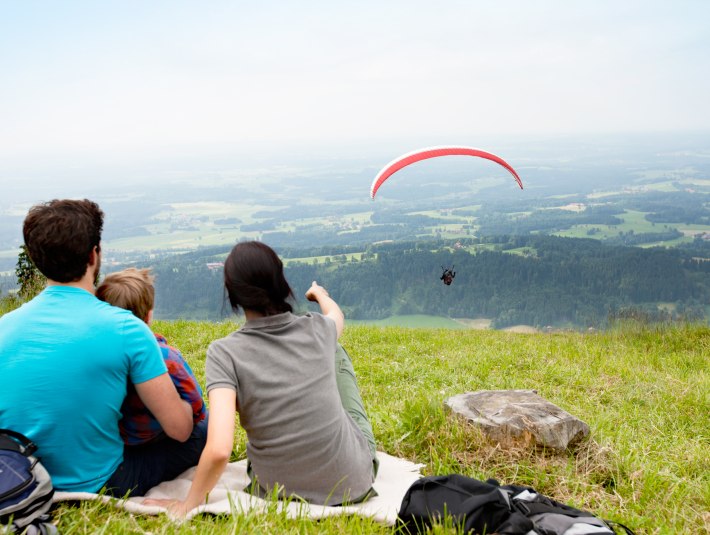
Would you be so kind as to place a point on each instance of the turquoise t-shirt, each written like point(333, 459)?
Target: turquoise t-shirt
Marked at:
point(65, 360)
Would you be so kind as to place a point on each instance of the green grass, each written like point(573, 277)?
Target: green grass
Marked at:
point(8, 303)
point(414, 321)
point(643, 391)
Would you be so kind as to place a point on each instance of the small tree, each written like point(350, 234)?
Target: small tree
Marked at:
point(29, 278)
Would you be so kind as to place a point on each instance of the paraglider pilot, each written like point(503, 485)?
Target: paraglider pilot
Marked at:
point(448, 275)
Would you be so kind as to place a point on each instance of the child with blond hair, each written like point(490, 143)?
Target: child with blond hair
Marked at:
point(133, 290)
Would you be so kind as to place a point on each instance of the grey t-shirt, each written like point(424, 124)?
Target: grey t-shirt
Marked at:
point(299, 436)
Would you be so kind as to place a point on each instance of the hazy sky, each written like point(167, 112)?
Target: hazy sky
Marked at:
point(122, 81)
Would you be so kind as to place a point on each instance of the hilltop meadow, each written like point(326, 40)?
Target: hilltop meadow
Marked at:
point(642, 389)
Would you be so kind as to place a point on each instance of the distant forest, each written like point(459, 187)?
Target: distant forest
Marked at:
point(536, 280)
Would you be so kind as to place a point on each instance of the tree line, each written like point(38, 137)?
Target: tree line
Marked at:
point(536, 280)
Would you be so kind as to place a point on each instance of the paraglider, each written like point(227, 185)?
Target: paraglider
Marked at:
point(433, 152)
point(448, 275)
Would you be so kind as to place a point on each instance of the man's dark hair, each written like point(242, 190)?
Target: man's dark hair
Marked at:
point(254, 279)
point(60, 236)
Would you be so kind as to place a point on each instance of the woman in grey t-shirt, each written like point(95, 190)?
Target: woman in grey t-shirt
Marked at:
point(294, 388)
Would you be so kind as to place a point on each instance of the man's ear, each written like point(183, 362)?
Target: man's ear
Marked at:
point(149, 317)
point(94, 256)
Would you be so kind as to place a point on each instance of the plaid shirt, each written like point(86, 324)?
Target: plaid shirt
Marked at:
point(138, 425)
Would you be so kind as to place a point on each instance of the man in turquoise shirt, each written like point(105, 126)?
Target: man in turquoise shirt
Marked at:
point(66, 359)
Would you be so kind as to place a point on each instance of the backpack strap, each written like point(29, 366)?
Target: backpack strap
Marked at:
point(534, 508)
point(544, 504)
point(20, 444)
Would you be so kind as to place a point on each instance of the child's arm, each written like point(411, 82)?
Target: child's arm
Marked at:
point(186, 383)
point(328, 307)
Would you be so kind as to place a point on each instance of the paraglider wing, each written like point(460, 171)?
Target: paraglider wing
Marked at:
point(434, 152)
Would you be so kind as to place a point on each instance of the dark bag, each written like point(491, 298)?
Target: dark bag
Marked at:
point(25, 486)
point(475, 506)
point(485, 507)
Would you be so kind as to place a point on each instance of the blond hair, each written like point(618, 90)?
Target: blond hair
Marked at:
point(131, 289)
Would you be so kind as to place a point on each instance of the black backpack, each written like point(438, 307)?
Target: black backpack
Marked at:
point(485, 507)
point(25, 486)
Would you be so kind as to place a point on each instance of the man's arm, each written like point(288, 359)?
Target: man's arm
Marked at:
point(161, 398)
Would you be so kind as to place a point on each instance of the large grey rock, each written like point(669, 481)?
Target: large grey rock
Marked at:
point(514, 416)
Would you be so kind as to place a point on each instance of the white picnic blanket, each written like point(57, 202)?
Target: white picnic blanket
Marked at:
point(394, 477)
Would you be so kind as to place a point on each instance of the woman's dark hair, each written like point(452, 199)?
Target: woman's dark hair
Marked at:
point(254, 279)
point(60, 236)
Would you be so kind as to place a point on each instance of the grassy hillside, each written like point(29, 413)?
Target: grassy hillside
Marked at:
point(643, 391)
point(418, 321)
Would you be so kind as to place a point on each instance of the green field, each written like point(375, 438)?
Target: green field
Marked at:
point(633, 221)
point(193, 224)
point(643, 391)
point(414, 321)
point(180, 226)
point(350, 257)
